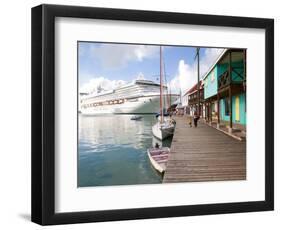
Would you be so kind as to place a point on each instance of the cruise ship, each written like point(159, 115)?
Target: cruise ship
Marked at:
point(137, 97)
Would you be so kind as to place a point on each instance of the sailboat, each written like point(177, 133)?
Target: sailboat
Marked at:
point(164, 127)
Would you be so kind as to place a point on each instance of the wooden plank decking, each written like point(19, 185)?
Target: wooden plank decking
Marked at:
point(204, 154)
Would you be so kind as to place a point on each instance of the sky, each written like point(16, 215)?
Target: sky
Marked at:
point(109, 65)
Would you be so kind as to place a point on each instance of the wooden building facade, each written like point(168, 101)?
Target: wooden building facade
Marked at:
point(225, 90)
point(192, 94)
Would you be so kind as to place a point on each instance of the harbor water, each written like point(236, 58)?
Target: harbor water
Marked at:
point(112, 150)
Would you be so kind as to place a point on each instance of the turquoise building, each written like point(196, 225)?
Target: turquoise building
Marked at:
point(211, 83)
point(238, 107)
point(225, 89)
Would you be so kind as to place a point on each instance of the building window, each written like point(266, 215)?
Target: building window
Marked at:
point(226, 106)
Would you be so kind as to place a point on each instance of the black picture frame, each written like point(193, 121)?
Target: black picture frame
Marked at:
point(43, 114)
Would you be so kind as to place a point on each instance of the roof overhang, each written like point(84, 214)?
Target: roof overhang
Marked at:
point(213, 66)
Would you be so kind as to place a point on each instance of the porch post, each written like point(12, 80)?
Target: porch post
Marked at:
point(245, 79)
point(218, 98)
point(205, 108)
point(210, 110)
point(230, 109)
point(229, 91)
point(230, 67)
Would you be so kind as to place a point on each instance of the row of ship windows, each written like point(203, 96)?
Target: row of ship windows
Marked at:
point(133, 93)
point(113, 102)
point(133, 90)
point(106, 98)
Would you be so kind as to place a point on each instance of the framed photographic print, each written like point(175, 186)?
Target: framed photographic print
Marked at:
point(142, 114)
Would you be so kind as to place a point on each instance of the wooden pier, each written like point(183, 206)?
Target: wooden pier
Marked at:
point(204, 154)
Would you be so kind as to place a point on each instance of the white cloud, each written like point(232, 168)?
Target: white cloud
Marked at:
point(96, 83)
point(100, 82)
point(185, 78)
point(119, 55)
point(187, 74)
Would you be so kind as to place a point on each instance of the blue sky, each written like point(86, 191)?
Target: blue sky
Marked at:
point(109, 64)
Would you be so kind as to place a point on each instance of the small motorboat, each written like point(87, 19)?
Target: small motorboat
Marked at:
point(136, 118)
point(158, 158)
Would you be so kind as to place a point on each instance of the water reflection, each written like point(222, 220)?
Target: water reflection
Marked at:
point(162, 143)
point(112, 150)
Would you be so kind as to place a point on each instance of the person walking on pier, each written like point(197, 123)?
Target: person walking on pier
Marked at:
point(195, 119)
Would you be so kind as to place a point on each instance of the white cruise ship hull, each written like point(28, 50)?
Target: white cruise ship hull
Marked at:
point(140, 105)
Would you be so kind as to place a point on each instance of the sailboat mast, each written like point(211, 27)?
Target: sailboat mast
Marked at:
point(161, 86)
point(170, 98)
point(165, 89)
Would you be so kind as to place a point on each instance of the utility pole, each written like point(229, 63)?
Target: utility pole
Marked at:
point(180, 97)
point(198, 79)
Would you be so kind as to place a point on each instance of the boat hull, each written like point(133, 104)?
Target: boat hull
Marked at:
point(162, 133)
point(140, 105)
point(159, 159)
